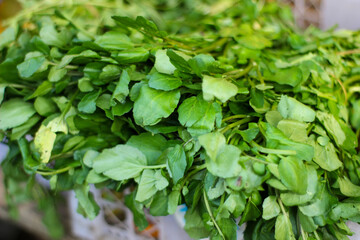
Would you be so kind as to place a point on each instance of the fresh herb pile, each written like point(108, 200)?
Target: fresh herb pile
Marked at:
point(233, 111)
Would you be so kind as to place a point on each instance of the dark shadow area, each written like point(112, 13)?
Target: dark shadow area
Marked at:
point(10, 231)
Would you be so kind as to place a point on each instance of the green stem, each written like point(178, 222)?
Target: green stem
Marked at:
point(155, 166)
point(238, 123)
point(260, 75)
point(316, 235)
point(235, 117)
point(213, 46)
point(282, 208)
point(17, 86)
point(302, 233)
point(211, 215)
point(62, 170)
point(192, 173)
point(272, 151)
point(62, 155)
point(240, 72)
point(187, 142)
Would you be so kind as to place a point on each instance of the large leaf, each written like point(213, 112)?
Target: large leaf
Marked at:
point(120, 162)
point(292, 109)
point(293, 174)
point(283, 228)
point(15, 112)
point(153, 105)
point(222, 159)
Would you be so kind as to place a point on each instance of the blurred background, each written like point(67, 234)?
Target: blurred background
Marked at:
point(321, 13)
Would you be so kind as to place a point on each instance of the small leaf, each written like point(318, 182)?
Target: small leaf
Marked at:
point(176, 162)
point(292, 109)
point(293, 174)
point(219, 88)
point(271, 208)
point(86, 201)
point(283, 228)
point(44, 142)
point(88, 102)
point(348, 188)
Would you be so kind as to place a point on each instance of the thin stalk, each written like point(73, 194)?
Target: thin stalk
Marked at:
point(240, 72)
point(155, 166)
point(62, 155)
point(62, 170)
point(211, 215)
point(302, 233)
point(17, 86)
point(238, 123)
point(235, 117)
point(316, 235)
point(192, 173)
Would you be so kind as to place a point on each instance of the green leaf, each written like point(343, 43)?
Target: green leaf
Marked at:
point(164, 82)
point(201, 63)
point(122, 88)
point(332, 126)
point(251, 212)
point(56, 74)
point(307, 223)
point(321, 203)
point(176, 162)
point(293, 174)
point(254, 41)
point(222, 159)
point(293, 199)
point(197, 114)
point(292, 109)
point(2, 93)
point(283, 228)
point(50, 36)
point(130, 56)
point(235, 204)
point(44, 142)
point(114, 40)
point(153, 105)
point(44, 106)
point(44, 88)
point(33, 62)
point(120, 162)
point(326, 157)
point(152, 146)
point(162, 63)
point(348, 188)
point(86, 201)
point(271, 208)
point(219, 88)
point(88, 102)
point(176, 59)
point(21, 130)
point(137, 210)
point(294, 130)
point(7, 36)
point(15, 112)
point(173, 201)
point(194, 225)
point(151, 181)
point(159, 204)
point(249, 134)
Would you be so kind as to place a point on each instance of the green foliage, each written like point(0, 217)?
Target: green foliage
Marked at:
point(230, 111)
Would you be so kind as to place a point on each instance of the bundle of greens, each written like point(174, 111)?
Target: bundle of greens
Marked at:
point(232, 111)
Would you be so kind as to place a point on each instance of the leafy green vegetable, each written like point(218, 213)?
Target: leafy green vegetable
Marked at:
point(232, 111)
